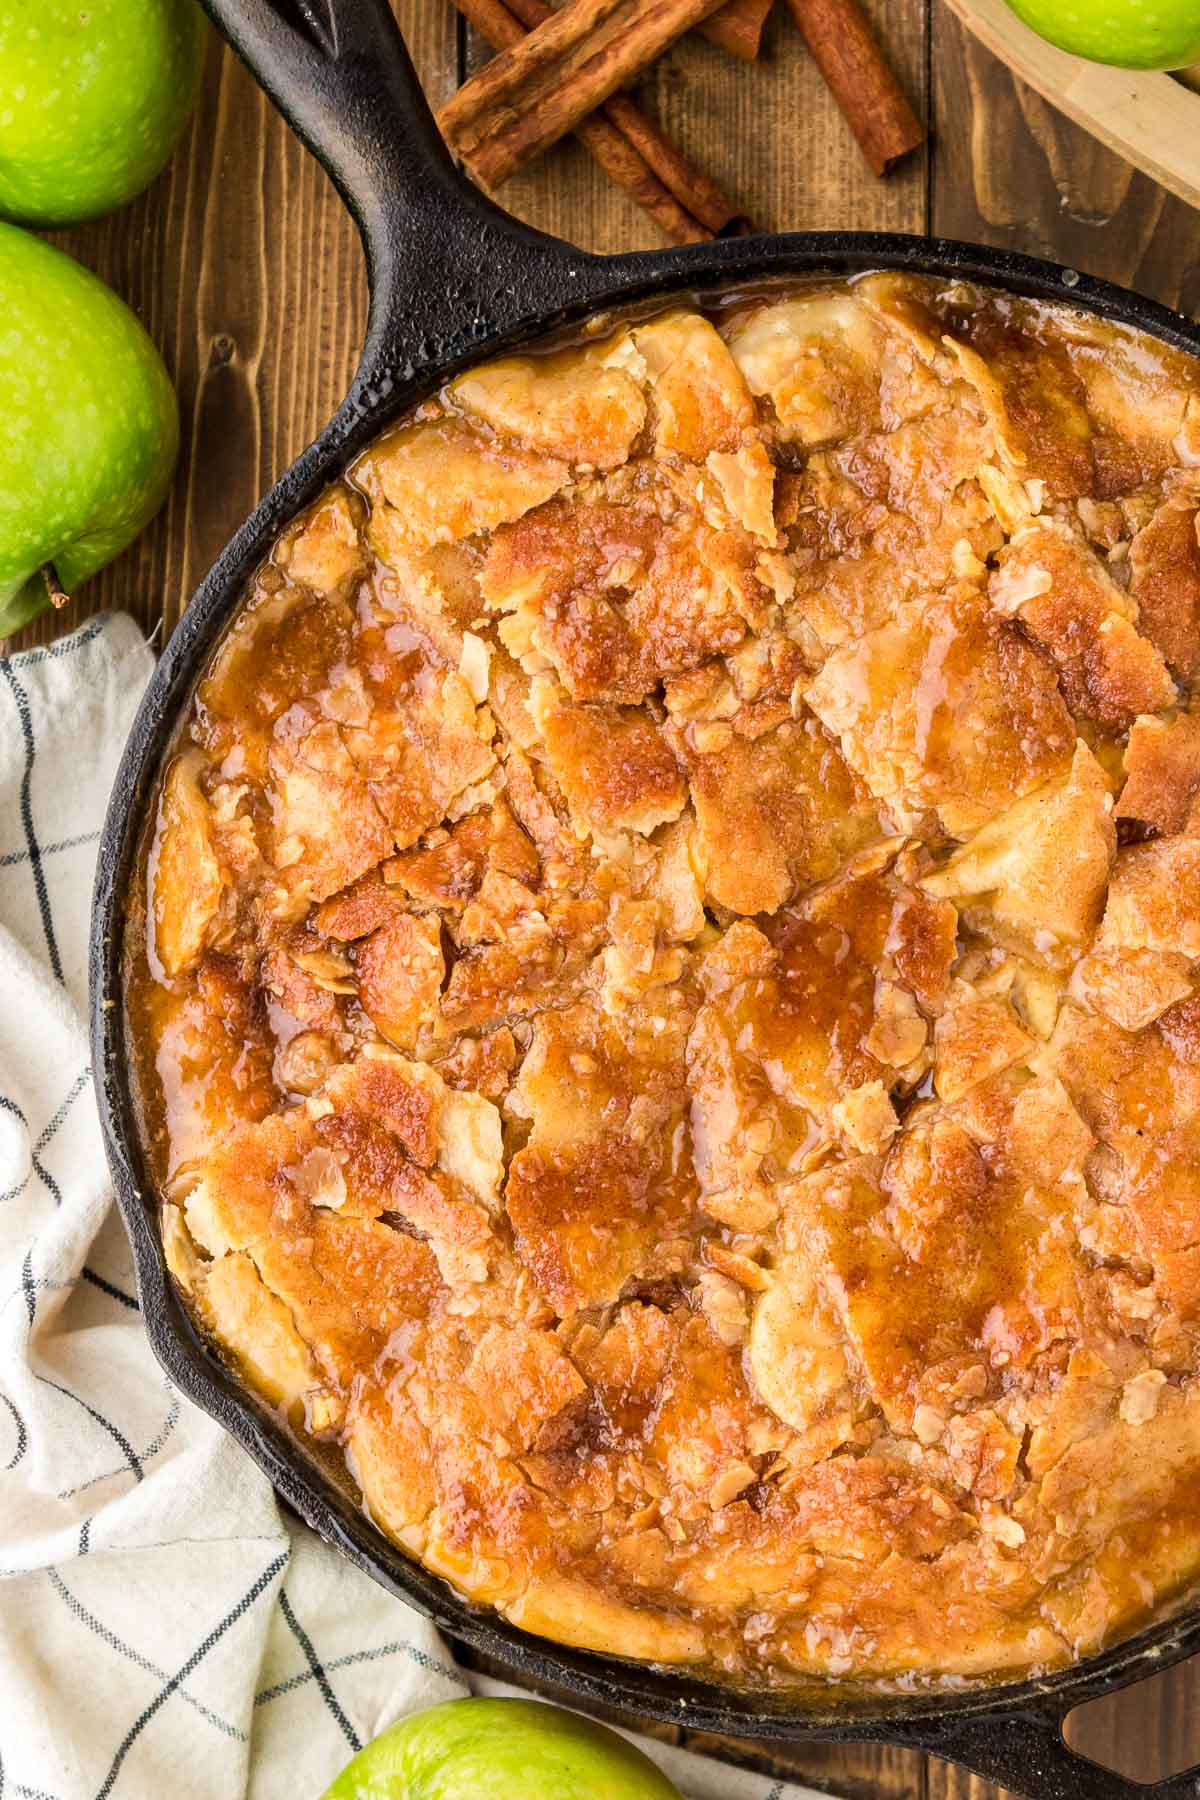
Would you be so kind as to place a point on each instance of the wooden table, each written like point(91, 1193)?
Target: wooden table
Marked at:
point(246, 271)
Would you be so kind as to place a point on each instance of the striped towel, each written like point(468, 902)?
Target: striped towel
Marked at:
point(165, 1630)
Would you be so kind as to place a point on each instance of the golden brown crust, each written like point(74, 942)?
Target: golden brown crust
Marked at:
point(672, 967)
point(1162, 772)
point(1070, 605)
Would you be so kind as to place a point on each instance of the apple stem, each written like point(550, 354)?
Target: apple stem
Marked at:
point(54, 587)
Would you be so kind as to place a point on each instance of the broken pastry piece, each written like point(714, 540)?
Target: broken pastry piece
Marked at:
point(186, 880)
point(773, 812)
point(1164, 575)
point(1162, 773)
point(700, 403)
point(1037, 873)
point(816, 360)
point(612, 763)
point(579, 406)
point(946, 710)
point(666, 984)
point(1149, 939)
point(443, 480)
point(1069, 603)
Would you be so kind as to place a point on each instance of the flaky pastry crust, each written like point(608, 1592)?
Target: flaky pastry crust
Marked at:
point(669, 1010)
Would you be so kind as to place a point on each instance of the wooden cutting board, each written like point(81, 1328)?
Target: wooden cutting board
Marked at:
point(1150, 119)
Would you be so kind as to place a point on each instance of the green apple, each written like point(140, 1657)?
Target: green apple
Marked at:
point(90, 431)
point(93, 96)
point(1134, 34)
point(500, 1750)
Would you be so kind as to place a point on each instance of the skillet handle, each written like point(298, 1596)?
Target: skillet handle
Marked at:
point(1024, 1749)
point(446, 266)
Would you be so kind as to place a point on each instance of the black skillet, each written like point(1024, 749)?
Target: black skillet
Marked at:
point(453, 279)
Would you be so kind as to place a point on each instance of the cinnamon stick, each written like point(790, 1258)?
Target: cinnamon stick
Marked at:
point(623, 164)
point(845, 50)
point(616, 155)
point(690, 186)
point(494, 21)
point(737, 27)
point(532, 94)
point(702, 197)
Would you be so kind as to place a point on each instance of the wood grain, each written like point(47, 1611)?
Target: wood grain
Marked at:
point(1149, 1734)
point(1143, 115)
point(245, 269)
point(1055, 191)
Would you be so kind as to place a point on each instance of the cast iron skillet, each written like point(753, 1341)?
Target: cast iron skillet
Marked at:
point(452, 279)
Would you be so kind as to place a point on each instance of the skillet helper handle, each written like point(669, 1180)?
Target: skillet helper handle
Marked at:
point(445, 264)
point(1024, 1749)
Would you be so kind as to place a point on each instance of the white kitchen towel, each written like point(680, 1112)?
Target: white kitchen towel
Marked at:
point(164, 1629)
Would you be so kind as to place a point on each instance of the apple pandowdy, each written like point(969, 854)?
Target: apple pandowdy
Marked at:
point(668, 1007)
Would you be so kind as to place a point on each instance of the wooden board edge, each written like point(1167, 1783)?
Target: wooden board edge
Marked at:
point(1150, 119)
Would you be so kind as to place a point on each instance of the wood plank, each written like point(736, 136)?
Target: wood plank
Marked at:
point(1149, 1733)
point(850, 1771)
point(1055, 192)
point(1141, 114)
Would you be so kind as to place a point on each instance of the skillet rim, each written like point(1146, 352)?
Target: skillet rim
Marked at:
point(931, 1718)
